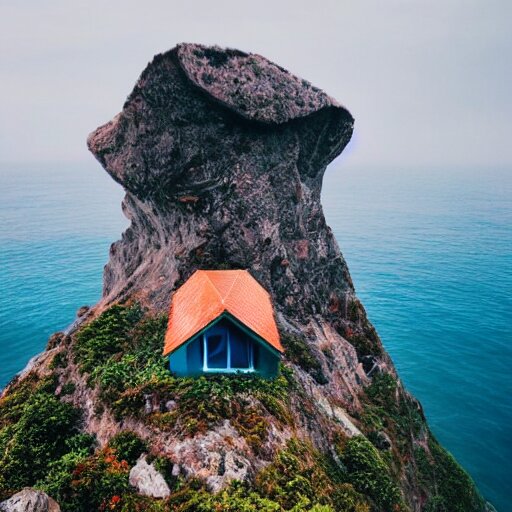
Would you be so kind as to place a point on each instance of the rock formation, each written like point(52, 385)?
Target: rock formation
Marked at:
point(222, 154)
point(147, 480)
point(29, 500)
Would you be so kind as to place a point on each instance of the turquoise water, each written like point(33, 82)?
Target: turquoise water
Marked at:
point(430, 254)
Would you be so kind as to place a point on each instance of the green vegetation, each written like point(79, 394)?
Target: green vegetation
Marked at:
point(36, 427)
point(301, 478)
point(389, 408)
point(369, 475)
point(121, 352)
point(450, 487)
point(364, 345)
point(40, 442)
point(127, 446)
point(82, 483)
point(299, 352)
point(105, 336)
point(203, 402)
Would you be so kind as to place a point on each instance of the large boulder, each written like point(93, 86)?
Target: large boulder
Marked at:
point(29, 500)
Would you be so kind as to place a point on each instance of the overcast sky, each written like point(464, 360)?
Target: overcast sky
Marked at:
point(428, 82)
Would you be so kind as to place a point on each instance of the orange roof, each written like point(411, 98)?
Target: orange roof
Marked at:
point(207, 294)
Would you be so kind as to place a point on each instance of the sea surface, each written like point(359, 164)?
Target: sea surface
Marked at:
point(430, 253)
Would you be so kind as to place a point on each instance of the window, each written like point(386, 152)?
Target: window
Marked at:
point(227, 351)
point(217, 351)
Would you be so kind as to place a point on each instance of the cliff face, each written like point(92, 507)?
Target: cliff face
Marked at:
point(222, 156)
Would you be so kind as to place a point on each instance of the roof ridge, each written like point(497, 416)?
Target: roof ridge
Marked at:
point(205, 272)
point(237, 275)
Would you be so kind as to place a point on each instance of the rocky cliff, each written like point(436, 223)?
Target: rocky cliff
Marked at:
point(222, 154)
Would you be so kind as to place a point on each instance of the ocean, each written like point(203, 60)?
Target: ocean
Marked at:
point(430, 253)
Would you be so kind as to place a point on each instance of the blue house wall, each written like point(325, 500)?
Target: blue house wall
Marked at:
point(188, 359)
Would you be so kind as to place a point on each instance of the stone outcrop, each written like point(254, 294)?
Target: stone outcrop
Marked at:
point(147, 480)
point(29, 500)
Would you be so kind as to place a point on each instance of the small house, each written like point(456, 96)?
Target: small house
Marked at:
point(222, 321)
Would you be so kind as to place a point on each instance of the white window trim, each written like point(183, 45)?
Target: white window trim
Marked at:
point(229, 369)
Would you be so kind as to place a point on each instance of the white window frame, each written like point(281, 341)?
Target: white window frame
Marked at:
point(229, 369)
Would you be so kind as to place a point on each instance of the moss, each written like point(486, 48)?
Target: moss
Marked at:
point(382, 389)
point(12, 405)
point(388, 407)
point(236, 498)
point(60, 360)
point(205, 401)
point(127, 380)
point(353, 310)
point(364, 345)
point(369, 475)
point(164, 466)
point(251, 425)
point(299, 352)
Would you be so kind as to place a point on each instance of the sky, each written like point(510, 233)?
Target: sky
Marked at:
point(428, 82)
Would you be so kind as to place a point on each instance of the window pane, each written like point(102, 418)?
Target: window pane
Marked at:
point(240, 347)
point(217, 351)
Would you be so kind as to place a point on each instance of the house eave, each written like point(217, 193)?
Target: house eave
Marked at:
point(238, 323)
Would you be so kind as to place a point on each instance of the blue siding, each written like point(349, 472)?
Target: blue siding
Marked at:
point(187, 360)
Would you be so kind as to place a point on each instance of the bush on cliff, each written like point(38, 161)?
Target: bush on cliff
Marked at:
point(301, 478)
point(450, 487)
point(35, 440)
point(127, 446)
point(299, 352)
point(105, 336)
point(369, 474)
point(83, 483)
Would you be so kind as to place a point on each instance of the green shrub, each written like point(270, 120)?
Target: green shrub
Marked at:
point(388, 407)
point(81, 483)
point(369, 475)
point(59, 361)
point(68, 388)
point(382, 390)
point(13, 403)
point(37, 439)
point(105, 336)
point(364, 345)
point(204, 401)
point(301, 478)
point(236, 498)
point(127, 446)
